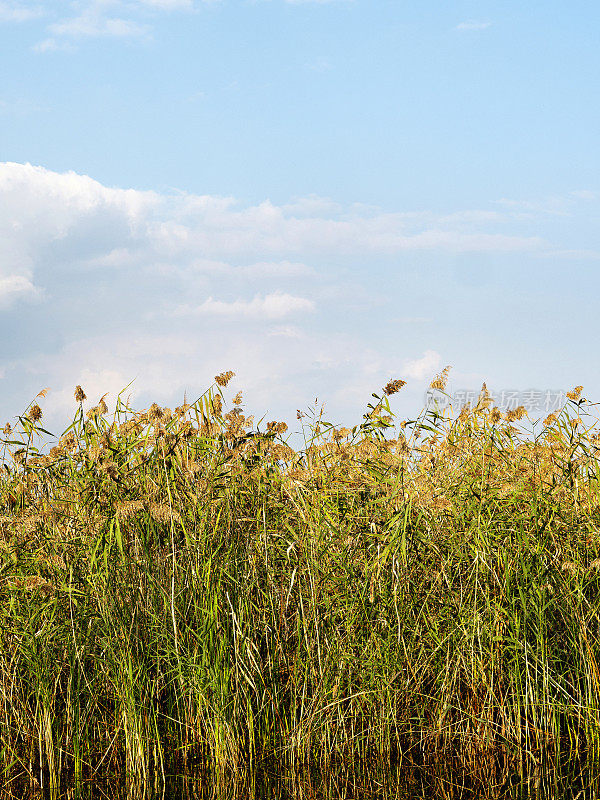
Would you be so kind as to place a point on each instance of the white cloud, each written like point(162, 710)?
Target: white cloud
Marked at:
point(319, 65)
point(473, 25)
point(49, 219)
point(312, 206)
point(317, 2)
point(287, 332)
point(51, 45)
point(564, 205)
point(292, 297)
point(168, 5)
point(117, 19)
point(585, 194)
point(274, 269)
point(274, 306)
point(424, 367)
point(13, 287)
point(92, 23)
point(19, 12)
point(21, 107)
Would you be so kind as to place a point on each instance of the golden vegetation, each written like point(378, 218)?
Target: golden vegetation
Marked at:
point(175, 585)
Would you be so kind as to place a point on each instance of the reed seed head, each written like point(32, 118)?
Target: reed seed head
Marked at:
point(32, 583)
point(80, 395)
point(495, 415)
point(575, 393)
point(515, 414)
point(277, 427)
point(440, 381)
point(393, 386)
point(35, 413)
point(155, 412)
point(484, 400)
point(111, 470)
point(224, 377)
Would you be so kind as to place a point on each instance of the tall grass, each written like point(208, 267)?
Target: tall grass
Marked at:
point(176, 590)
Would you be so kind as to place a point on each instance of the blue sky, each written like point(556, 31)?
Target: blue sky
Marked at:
point(318, 195)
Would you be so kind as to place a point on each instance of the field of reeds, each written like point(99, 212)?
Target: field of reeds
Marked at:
point(182, 587)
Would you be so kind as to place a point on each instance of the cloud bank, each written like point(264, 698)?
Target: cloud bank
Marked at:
point(101, 286)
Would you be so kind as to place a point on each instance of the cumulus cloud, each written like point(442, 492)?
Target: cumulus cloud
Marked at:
point(13, 287)
point(48, 218)
point(274, 306)
point(19, 12)
point(92, 23)
point(117, 19)
point(424, 367)
point(170, 289)
point(473, 25)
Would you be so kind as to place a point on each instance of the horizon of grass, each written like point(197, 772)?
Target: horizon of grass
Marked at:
point(178, 588)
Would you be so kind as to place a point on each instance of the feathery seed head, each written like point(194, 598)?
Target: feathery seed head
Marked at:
point(224, 377)
point(341, 433)
point(393, 386)
point(155, 412)
point(111, 469)
point(515, 414)
point(495, 415)
point(277, 427)
point(31, 583)
point(57, 561)
point(238, 399)
point(80, 395)
point(163, 513)
point(575, 393)
point(464, 413)
point(484, 399)
point(570, 568)
point(440, 381)
point(7, 430)
point(35, 413)
point(129, 509)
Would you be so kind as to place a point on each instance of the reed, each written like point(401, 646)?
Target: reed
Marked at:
point(174, 590)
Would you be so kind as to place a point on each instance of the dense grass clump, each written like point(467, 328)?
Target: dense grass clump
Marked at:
point(174, 588)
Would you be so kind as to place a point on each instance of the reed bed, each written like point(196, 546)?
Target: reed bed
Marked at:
point(177, 588)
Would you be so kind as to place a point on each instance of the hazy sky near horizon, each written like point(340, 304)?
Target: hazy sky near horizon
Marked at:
point(320, 195)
